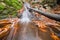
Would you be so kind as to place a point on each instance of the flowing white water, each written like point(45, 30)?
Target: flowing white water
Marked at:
point(27, 32)
point(26, 15)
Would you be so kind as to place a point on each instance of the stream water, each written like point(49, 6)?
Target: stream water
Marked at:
point(26, 29)
point(27, 32)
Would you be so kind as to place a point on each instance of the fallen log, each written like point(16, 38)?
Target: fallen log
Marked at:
point(47, 14)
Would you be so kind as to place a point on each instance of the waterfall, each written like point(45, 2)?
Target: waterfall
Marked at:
point(26, 15)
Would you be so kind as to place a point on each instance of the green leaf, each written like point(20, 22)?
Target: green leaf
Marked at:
point(1, 6)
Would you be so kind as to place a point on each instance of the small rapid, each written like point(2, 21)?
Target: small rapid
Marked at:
point(26, 15)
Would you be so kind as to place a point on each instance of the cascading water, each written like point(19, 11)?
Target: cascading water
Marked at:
point(27, 32)
point(25, 29)
point(26, 16)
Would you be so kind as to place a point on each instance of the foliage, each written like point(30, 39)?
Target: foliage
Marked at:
point(9, 7)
